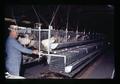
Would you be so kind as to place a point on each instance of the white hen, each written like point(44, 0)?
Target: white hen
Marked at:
point(24, 41)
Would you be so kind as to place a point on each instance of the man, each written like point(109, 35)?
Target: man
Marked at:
point(14, 52)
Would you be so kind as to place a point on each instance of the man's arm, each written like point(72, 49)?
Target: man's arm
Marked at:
point(19, 47)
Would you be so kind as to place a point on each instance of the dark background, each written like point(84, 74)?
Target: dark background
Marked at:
point(93, 18)
point(97, 18)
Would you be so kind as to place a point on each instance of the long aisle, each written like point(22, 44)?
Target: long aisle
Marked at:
point(102, 68)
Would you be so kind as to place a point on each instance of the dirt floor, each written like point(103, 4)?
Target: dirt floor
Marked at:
point(101, 68)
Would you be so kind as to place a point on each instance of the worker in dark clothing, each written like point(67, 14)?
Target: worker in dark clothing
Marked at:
point(14, 52)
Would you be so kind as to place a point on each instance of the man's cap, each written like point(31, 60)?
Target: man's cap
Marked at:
point(13, 27)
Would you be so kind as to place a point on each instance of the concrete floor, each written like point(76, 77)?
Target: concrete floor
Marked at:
point(101, 68)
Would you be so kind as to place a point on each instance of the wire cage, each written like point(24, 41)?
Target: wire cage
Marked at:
point(65, 50)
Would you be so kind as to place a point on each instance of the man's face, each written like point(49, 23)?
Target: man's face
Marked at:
point(15, 34)
point(14, 31)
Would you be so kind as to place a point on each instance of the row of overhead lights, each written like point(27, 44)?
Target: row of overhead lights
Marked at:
point(13, 20)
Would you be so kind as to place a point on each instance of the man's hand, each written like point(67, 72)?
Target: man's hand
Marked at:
point(35, 52)
point(39, 53)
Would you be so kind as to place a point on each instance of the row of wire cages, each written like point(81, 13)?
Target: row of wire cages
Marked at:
point(39, 37)
point(61, 36)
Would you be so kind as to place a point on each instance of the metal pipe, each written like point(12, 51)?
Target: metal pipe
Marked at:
point(46, 22)
point(49, 55)
point(54, 15)
point(39, 26)
point(36, 14)
point(39, 39)
point(113, 73)
point(49, 48)
point(77, 31)
point(67, 24)
point(49, 34)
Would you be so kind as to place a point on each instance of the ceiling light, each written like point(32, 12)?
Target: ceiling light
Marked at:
point(10, 19)
point(26, 22)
